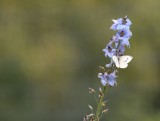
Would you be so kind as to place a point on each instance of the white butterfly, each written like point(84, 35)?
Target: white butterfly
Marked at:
point(122, 61)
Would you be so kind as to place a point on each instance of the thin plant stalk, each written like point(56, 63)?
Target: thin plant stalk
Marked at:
point(99, 108)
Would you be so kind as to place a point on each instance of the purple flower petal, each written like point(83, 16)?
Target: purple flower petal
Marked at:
point(108, 79)
point(109, 51)
point(121, 24)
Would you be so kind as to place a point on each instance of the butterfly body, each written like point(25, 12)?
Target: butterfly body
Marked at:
point(122, 61)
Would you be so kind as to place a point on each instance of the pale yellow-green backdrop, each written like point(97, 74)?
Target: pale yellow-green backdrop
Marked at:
point(50, 51)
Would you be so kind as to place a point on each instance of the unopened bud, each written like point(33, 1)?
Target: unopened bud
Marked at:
point(104, 111)
point(91, 90)
point(100, 94)
point(90, 107)
point(85, 118)
point(90, 115)
point(102, 68)
point(100, 90)
point(103, 104)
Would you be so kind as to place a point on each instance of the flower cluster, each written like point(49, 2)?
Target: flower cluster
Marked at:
point(116, 47)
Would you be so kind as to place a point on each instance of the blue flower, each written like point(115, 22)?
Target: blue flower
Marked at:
point(114, 39)
point(125, 42)
point(108, 79)
point(121, 24)
point(109, 51)
point(111, 79)
point(103, 77)
point(124, 35)
point(120, 49)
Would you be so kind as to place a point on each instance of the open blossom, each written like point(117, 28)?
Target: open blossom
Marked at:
point(109, 50)
point(115, 39)
point(111, 79)
point(103, 77)
point(124, 35)
point(121, 24)
point(108, 79)
point(120, 50)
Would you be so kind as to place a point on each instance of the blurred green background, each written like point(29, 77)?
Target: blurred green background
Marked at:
point(50, 51)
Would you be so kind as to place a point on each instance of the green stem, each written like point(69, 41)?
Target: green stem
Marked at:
point(99, 108)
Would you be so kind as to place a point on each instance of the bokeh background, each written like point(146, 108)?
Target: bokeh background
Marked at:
point(50, 51)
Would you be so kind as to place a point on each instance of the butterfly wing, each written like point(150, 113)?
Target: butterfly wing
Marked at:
point(124, 60)
point(123, 64)
point(116, 61)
